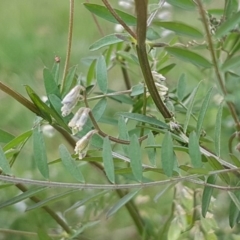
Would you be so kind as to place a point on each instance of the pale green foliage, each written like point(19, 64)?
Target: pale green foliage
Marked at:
point(152, 107)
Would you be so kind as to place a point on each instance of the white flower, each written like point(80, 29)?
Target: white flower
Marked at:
point(157, 77)
point(71, 99)
point(83, 144)
point(79, 120)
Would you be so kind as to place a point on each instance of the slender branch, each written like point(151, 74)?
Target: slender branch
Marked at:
point(69, 44)
point(141, 10)
point(230, 141)
point(25, 233)
point(103, 134)
point(96, 22)
point(24, 101)
point(153, 14)
point(59, 220)
point(191, 178)
point(215, 64)
point(119, 19)
point(110, 94)
point(124, 69)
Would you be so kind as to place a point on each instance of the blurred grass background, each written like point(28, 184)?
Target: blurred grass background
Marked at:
point(32, 33)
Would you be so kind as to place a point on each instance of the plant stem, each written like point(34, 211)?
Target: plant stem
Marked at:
point(24, 101)
point(119, 19)
point(103, 134)
point(215, 64)
point(47, 209)
point(141, 10)
point(69, 44)
point(97, 23)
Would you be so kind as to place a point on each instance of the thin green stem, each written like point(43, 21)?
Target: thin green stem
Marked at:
point(230, 141)
point(103, 134)
point(124, 69)
point(69, 44)
point(141, 10)
point(25, 233)
point(110, 95)
point(215, 64)
point(25, 102)
point(191, 178)
point(97, 23)
point(118, 18)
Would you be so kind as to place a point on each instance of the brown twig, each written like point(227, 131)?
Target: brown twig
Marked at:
point(119, 19)
point(141, 10)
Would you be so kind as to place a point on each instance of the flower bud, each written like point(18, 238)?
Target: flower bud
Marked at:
point(71, 99)
point(83, 144)
point(79, 120)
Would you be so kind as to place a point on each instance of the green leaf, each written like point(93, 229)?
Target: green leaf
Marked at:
point(203, 111)
point(190, 107)
point(181, 87)
point(17, 140)
point(29, 193)
point(39, 151)
point(55, 71)
point(166, 69)
point(185, 4)
point(43, 108)
point(234, 209)
point(167, 154)
point(91, 198)
point(106, 41)
point(151, 152)
point(228, 25)
point(162, 192)
point(135, 157)
point(70, 81)
point(55, 111)
point(121, 203)
point(83, 228)
point(218, 166)
point(123, 132)
point(70, 164)
point(5, 137)
point(207, 194)
point(189, 56)
point(46, 111)
point(231, 7)
point(104, 13)
point(180, 28)
point(91, 72)
point(101, 74)
point(51, 86)
point(108, 160)
point(137, 90)
point(235, 160)
point(50, 200)
point(231, 63)
point(217, 130)
point(194, 150)
point(142, 118)
point(4, 164)
point(234, 199)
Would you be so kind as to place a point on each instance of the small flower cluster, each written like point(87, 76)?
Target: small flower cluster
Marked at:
point(79, 119)
point(162, 89)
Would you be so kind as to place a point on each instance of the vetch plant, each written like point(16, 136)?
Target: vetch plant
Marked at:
point(142, 121)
